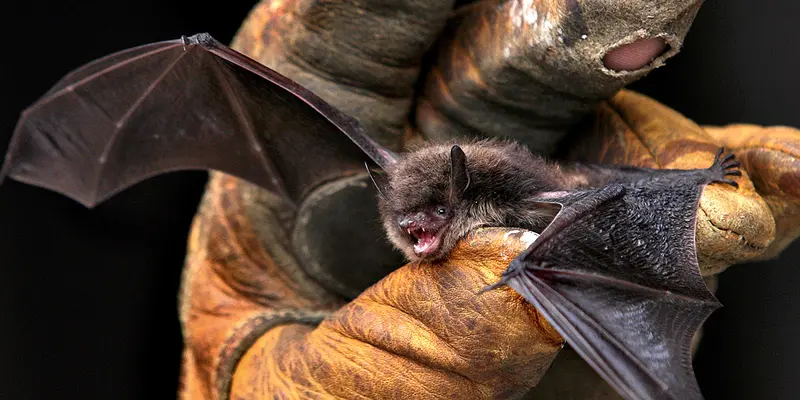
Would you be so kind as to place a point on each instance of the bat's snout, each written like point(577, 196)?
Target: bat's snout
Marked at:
point(411, 221)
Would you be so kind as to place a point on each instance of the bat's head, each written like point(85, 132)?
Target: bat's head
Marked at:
point(421, 204)
point(437, 194)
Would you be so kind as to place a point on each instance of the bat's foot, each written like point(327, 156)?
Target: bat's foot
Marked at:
point(724, 165)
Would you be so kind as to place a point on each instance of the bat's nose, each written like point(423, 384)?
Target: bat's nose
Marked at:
point(407, 222)
point(410, 221)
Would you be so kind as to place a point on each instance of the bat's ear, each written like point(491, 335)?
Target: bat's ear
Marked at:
point(378, 181)
point(459, 175)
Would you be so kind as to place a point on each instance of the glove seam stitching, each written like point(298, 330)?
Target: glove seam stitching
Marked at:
point(246, 334)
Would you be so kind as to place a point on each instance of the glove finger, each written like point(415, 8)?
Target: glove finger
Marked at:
point(771, 157)
point(733, 225)
point(531, 70)
point(363, 57)
point(421, 332)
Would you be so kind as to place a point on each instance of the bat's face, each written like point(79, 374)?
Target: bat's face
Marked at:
point(424, 229)
point(417, 220)
point(421, 216)
point(427, 232)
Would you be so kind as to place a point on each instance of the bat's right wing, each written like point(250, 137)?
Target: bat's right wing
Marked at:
point(191, 103)
point(616, 274)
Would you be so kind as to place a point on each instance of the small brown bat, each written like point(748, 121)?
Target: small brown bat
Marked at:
point(434, 196)
point(614, 269)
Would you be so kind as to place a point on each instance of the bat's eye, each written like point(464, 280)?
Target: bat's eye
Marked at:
point(441, 211)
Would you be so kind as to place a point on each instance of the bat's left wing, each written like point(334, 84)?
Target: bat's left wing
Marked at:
point(191, 103)
point(616, 274)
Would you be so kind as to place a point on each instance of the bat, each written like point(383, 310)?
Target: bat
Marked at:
point(614, 270)
point(616, 254)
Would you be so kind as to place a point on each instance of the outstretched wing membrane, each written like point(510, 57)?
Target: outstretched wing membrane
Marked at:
point(191, 103)
point(616, 274)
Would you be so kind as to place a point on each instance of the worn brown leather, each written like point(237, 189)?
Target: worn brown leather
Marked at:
point(772, 155)
point(256, 325)
point(732, 224)
point(423, 323)
point(364, 57)
point(532, 69)
point(422, 332)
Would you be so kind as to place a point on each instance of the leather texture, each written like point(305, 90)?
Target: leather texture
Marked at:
point(421, 332)
point(772, 155)
point(258, 323)
point(633, 129)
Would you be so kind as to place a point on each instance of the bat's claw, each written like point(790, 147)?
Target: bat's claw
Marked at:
point(493, 286)
point(733, 172)
point(727, 158)
point(730, 163)
point(718, 155)
point(723, 167)
point(730, 182)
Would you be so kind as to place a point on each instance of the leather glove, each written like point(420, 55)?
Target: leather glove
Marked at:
point(257, 323)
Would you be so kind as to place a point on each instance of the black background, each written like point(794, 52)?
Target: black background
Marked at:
point(89, 298)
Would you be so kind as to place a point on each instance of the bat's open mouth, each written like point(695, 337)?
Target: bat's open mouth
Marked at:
point(426, 241)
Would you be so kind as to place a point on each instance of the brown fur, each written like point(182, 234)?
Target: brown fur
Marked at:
point(504, 178)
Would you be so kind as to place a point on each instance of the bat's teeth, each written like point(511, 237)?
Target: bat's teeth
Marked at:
point(423, 229)
point(409, 231)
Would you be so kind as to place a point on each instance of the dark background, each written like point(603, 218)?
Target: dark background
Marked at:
point(89, 298)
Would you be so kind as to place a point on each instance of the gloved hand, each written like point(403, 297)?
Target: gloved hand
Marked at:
point(258, 321)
